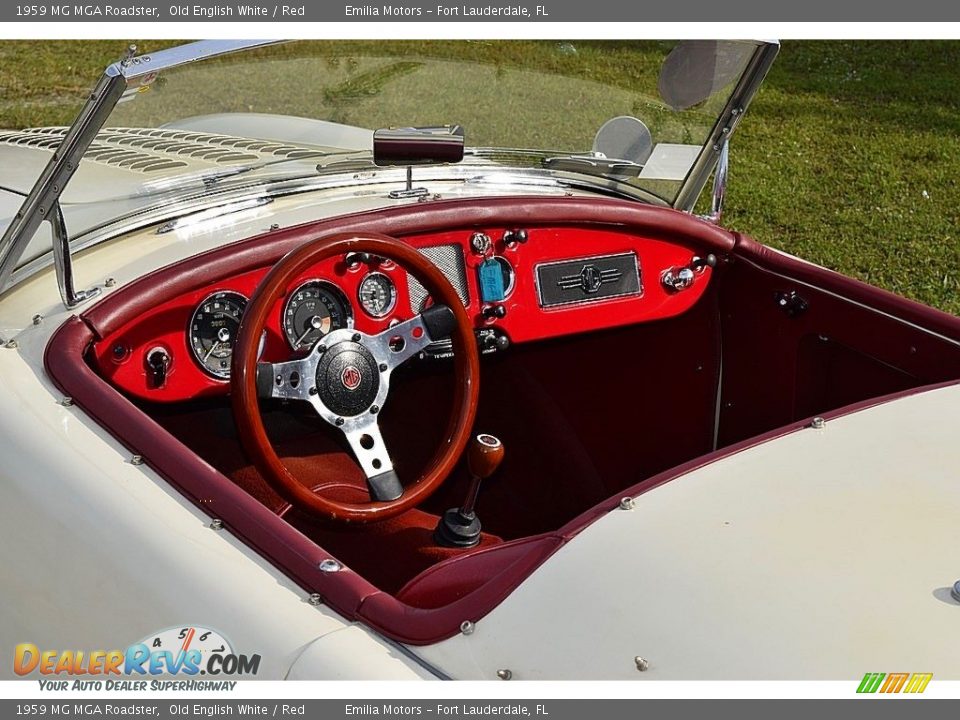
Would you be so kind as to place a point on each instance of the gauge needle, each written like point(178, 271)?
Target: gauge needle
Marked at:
point(316, 322)
point(210, 351)
point(188, 639)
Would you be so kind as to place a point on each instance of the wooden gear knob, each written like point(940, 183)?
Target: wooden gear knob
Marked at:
point(484, 455)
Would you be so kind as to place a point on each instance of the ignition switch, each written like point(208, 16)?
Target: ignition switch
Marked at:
point(158, 364)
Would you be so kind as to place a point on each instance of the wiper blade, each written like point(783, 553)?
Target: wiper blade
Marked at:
point(218, 175)
point(594, 164)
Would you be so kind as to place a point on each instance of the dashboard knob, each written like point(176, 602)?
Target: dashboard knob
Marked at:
point(492, 312)
point(355, 259)
point(512, 237)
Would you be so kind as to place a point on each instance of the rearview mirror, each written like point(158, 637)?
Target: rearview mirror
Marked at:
point(418, 145)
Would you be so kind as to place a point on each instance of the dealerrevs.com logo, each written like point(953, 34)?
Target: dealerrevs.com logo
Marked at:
point(182, 651)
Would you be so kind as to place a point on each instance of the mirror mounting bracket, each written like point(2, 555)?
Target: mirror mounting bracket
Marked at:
point(719, 185)
point(409, 191)
point(64, 263)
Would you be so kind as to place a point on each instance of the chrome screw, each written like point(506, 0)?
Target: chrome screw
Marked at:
point(338, 422)
point(504, 674)
point(315, 599)
point(67, 401)
point(110, 282)
point(818, 423)
point(37, 319)
point(136, 460)
point(330, 566)
point(466, 627)
point(11, 345)
point(216, 524)
point(626, 503)
point(642, 664)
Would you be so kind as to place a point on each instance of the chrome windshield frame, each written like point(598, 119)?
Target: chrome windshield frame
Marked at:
point(131, 73)
point(42, 203)
point(747, 87)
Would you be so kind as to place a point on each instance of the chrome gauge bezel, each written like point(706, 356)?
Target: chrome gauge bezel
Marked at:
point(222, 375)
point(393, 294)
point(511, 273)
point(330, 287)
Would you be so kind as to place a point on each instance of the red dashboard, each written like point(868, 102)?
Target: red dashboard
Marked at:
point(578, 259)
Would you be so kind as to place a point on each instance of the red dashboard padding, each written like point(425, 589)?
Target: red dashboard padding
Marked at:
point(124, 346)
point(262, 251)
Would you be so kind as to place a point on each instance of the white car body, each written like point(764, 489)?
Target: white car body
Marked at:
point(817, 553)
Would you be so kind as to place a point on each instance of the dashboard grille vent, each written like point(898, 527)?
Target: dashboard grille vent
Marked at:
point(449, 259)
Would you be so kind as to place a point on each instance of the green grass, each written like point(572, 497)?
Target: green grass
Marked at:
point(849, 156)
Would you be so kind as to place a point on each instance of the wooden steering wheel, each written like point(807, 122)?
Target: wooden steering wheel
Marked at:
point(346, 378)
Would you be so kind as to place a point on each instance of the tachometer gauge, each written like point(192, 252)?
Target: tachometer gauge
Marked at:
point(313, 310)
point(213, 331)
point(377, 294)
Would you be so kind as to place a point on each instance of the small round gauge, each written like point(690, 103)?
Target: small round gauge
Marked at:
point(313, 310)
point(377, 294)
point(213, 331)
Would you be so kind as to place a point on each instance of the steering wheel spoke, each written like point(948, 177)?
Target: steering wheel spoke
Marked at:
point(371, 452)
point(404, 340)
point(291, 380)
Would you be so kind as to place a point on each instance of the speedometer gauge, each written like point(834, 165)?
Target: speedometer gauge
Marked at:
point(313, 310)
point(377, 294)
point(213, 331)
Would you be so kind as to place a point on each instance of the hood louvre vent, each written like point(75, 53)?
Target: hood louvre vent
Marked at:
point(147, 150)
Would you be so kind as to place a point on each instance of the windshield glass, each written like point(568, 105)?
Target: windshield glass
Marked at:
point(549, 99)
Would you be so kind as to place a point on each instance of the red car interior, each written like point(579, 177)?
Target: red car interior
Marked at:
point(593, 400)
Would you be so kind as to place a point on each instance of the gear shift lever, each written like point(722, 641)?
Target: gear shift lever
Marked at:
point(460, 527)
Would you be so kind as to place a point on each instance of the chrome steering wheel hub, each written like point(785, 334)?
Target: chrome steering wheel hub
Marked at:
point(346, 378)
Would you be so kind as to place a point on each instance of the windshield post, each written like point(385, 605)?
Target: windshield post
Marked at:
point(42, 202)
point(739, 100)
